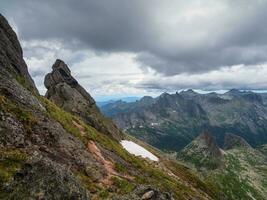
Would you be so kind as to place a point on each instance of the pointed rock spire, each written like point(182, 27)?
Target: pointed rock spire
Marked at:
point(65, 91)
point(203, 152)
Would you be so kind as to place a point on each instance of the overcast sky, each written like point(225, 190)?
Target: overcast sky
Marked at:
point(145, 47)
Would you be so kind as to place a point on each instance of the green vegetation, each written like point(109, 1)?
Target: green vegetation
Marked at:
point(11, 161)
point(148, 173)
point(235, 180)
point(120, 168)
point(24, 83)
point(187, 175)
point(200, 161)
point(123, 186)
point(25, 117)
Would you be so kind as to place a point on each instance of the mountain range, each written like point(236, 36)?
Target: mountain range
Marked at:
point(124, 99)
point(171, 121)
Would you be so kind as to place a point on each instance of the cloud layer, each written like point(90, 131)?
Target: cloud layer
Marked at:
point(166, 39)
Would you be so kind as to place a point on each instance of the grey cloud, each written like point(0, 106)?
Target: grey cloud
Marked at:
point(235, 35)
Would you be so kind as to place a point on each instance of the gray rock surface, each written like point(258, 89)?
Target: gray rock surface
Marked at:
point(65, 91)
point(11, 56)
point(25, 126)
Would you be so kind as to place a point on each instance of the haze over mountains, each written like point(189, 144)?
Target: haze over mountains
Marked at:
point(171, 121)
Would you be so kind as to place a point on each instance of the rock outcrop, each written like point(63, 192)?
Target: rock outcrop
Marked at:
point(11, 56)
point(67, 93)
point(207, 145)
point(203, 152)
point(36, 152)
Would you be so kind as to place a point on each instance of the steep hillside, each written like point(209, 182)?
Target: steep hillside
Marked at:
point(239, 171)
point(171, 121)
point(72, 152)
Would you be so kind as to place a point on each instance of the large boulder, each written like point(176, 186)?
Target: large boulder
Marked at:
point(67, 93)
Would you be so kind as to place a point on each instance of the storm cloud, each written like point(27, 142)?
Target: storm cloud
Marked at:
point(171, 37)
point(166, 44)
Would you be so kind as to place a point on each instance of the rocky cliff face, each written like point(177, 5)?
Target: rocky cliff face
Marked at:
point(65, 91)
point(11, 55)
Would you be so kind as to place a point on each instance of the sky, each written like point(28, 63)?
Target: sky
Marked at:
point(120, 48)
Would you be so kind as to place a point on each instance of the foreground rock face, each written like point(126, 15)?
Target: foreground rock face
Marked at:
point(11, 56)
point(35, 150)
point(65, 91)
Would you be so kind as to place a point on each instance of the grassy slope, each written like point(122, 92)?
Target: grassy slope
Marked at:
point(244, 175)
point(166, 175)
point(151, 173)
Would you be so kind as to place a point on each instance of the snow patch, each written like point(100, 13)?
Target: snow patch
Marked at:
point(137, 150)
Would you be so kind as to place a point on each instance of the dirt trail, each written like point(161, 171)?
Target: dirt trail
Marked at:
point(108, 165)
point(80, 127)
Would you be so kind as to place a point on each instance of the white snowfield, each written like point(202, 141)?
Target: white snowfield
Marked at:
point(137, 150)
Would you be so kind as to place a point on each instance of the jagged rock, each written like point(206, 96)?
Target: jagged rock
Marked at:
point(206, 145)
point(25, 126)
point(232, 141)
point(66, 92)
point(203, 152)
point(45, 179)
point(11, 56)
point(207, 142)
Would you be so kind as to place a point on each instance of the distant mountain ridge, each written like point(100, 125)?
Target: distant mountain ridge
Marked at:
point(171, 121)
point(124, 99)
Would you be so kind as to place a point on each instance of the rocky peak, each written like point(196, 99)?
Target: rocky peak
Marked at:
point(146, 100)
point(205, 140)
point(64, 90)
point(232, 141)
point(61, 73)
point(188, 92)
point(245, 95)
point(11, 56)
point(203, 152)
point(234, 91)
